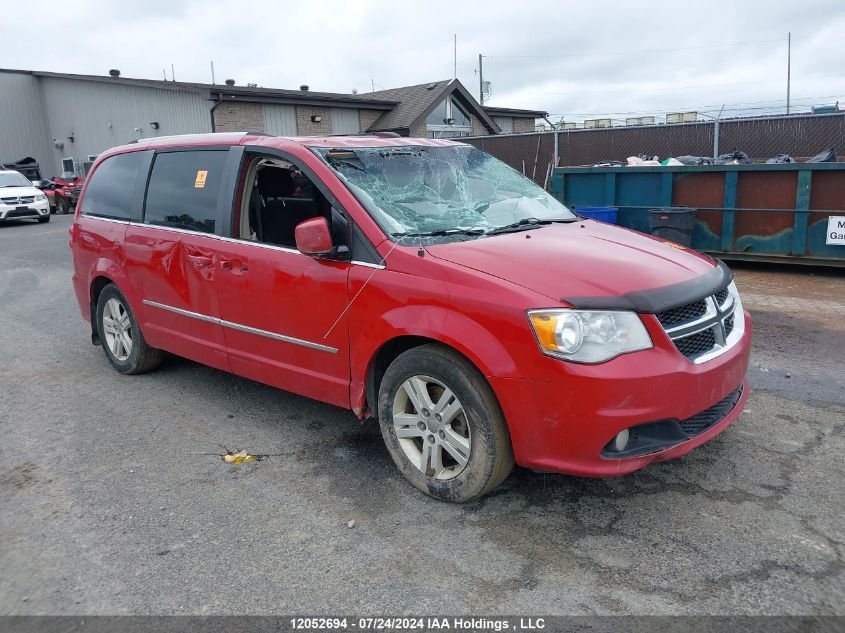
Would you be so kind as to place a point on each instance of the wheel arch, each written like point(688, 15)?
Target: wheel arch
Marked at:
point(95, 288)
point(388, 352)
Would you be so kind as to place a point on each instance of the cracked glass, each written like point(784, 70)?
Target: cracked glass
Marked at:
point(456, 192)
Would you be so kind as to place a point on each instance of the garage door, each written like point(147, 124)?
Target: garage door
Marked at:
point(280, 120)
point(345, 121)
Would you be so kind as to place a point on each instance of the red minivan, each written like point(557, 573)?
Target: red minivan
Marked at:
point(419, 282)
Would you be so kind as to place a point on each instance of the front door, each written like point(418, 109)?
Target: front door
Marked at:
point(283, 318)
point(282, 312)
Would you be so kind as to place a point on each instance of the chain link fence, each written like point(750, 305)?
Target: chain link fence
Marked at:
point(760, 138)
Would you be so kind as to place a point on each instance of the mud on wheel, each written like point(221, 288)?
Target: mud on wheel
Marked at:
point(442, 424)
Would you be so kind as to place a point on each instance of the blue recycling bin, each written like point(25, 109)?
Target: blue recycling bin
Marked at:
point(603, 214)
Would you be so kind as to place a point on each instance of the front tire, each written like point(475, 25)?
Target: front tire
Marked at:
point(44, 219)
point(442, 425)
point(121, 336)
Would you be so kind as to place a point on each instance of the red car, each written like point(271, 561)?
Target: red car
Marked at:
point(420, 282)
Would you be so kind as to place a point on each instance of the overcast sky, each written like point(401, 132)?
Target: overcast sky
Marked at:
point(573, 59)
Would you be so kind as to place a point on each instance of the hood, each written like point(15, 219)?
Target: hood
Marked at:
point(15, 192)
point(592, 264)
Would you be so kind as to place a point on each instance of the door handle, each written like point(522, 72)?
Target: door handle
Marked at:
point(200, 261)
point(236, 266)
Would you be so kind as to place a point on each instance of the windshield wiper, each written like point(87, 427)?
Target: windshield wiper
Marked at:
point(441, 233)
point(528, 223)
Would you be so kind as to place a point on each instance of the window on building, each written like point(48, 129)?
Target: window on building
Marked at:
point(68, 165)
point(183, 190)
point(439, 115)
point(459, 117)
point(110, 190)
point(448, 120)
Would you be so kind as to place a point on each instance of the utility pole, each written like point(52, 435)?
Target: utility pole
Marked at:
point(788, 67)
point(480, 80)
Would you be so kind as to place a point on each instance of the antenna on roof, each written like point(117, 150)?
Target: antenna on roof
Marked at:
point(172, 73)
point(212, 72)
point(456, 55)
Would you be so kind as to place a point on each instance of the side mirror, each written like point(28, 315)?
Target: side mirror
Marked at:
point(313, 237)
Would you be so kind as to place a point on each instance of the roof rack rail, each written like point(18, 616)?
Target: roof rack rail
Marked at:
point(378, 134)
point(258, 133)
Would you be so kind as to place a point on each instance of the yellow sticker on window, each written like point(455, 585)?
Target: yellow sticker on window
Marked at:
point(199, 183)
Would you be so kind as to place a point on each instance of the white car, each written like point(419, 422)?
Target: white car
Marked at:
point(19, 200)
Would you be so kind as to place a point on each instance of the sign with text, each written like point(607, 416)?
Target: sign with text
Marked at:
point(836, 229)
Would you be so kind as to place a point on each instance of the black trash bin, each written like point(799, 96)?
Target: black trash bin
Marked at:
point(673, 223)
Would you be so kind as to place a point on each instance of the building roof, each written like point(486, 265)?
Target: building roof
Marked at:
point(404, 108)
point(224, 92)
point(515, 112)
point(414, 103)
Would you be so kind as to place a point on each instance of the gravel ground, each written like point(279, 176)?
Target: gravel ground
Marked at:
point(113, 499)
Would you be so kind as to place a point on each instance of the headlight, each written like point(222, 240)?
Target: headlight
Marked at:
point(40, 197)
point(588, 336)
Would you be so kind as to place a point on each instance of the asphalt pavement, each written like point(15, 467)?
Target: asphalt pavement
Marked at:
point(114, 499)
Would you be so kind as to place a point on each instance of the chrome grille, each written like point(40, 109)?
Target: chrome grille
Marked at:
point(704, 328)
point(18, 200)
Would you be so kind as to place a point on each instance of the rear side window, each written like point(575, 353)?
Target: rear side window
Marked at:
point(183, 189)
point(110, 189)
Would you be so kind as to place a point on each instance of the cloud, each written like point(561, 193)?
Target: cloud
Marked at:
point(569, 58)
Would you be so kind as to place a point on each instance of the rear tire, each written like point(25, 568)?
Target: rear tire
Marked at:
point(62, 206)
point(121, 336)
point(458, 456)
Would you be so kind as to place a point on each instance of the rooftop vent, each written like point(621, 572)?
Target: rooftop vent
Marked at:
point(114, 72)
point(304, 87)
point(431, 86)
point(230, 82)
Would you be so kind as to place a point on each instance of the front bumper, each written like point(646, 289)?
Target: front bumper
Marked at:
point(32, 210)
point(565, 424)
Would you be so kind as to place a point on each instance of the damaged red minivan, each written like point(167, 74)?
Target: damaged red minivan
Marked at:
point(419, 282)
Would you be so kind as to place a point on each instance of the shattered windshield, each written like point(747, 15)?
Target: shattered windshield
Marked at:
point(442, 193)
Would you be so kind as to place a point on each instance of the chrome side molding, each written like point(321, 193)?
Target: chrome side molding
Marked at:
point(241, 328)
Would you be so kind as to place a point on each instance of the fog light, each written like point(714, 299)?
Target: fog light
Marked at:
point(621, 441)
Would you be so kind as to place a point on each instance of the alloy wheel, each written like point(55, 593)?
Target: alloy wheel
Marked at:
point(117, 329)
point(432, 427)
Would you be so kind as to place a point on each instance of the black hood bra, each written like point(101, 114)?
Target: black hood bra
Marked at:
point(659, 299)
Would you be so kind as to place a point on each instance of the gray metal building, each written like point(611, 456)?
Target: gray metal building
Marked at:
point(56, 118)
point(64, 120)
